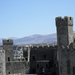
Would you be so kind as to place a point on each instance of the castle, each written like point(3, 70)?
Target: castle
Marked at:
point(66, 45)
point(35, 60)
point(50, 60)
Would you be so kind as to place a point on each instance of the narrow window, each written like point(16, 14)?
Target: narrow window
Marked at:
point(37, 65)
point(68, 66)
point(7, 40)
point(33, 57)
point(8, 59)
point(26, 59)
point(8, 72)
point(70, 18)
point(44, 56)
point(73, 70)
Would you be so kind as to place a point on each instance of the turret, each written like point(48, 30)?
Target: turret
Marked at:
point(64, 30)
point(8, 47)
point(65, 54)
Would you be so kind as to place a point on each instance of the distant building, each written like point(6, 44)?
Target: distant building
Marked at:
point(18, 51)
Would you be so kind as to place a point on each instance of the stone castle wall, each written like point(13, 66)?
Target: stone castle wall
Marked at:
point(42, 56)
point(2, 63)
point(17, 67)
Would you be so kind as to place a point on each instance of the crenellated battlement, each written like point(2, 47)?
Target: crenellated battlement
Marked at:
point(40, 47)
point(64, 21)
point(7, 42)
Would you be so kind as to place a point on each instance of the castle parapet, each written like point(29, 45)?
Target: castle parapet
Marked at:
point(7, 42)
point(45, 47)
point(64, 21)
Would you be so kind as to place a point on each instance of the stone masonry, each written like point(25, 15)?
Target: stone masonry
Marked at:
point(65, 51)
point(35, 60)
point(49, 60)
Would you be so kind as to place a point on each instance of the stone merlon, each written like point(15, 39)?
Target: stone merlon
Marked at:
point(9, 41)
point(64, 21)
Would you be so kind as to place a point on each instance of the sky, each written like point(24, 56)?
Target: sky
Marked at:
point(20, 18)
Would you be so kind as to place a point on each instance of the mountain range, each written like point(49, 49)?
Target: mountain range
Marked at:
point(33, 39)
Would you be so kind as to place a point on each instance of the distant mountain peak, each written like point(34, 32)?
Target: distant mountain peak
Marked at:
point(34, 39)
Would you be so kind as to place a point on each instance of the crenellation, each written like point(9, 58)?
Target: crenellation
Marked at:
point(43, 58)
point(65, 39)
point(66, 21)
point(45, 47)
point(40, 47)
point(34, 47)
point(7, 42)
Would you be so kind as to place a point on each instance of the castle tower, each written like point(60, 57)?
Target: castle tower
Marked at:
point(8, 47)
point(2, 63)
point(64, 30)
point(65, 53)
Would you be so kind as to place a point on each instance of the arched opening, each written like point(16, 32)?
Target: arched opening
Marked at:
point(8, 58)
point(70, 18)
point(8, 72)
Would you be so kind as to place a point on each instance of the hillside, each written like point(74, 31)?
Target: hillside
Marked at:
point(34, 39)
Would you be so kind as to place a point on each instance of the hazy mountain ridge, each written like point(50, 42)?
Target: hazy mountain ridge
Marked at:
point(34, 39)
